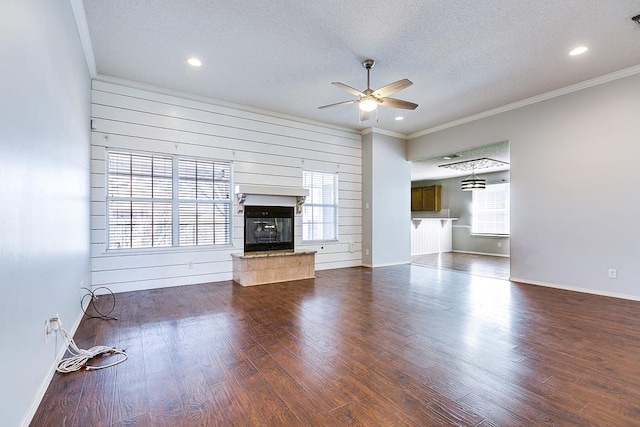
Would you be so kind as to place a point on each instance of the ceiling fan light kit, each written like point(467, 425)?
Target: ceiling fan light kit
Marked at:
point(368, 99)
point(368, 104)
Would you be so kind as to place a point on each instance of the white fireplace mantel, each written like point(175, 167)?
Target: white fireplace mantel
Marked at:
point(243, 190)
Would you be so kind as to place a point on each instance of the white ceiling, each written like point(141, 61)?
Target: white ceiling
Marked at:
point(464, 57)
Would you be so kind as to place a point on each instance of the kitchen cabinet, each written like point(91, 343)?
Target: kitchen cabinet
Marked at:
point(426, 198)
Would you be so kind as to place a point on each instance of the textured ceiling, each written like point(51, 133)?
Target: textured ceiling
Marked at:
point(282, 55)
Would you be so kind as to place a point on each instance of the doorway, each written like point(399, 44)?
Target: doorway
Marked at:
point(470, 232)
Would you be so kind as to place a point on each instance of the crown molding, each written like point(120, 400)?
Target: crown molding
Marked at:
point(85, 39)
point(534, 99)
point(383, 132)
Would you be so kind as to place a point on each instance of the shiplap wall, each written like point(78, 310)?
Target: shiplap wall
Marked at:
point(264, 150)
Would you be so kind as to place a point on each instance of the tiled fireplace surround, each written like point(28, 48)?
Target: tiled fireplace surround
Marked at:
point(259, 268)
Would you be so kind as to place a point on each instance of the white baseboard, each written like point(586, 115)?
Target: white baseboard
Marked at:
point(52, 370)
point(391, 264)
point(576, 289)
point(482, 253)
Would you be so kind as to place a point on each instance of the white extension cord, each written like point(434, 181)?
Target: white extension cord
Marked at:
point(80, 357)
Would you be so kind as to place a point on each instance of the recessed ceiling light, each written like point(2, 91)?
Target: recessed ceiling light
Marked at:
point(579, 50)
point(399, 118)
point(194, 62)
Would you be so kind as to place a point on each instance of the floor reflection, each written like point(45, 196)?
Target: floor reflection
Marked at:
point(481, 265)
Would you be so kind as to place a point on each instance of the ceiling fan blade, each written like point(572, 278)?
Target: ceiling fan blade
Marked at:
point(348, 88)
point(353, 101)
point(398, 103)
point(392, 88)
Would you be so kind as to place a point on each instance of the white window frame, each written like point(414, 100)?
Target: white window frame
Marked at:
point(311, 203)
point(491, 211)
point(175, 201)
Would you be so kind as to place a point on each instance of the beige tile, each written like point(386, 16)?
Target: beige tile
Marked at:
point(270, 269)
point(265, 276)
point(248, 278)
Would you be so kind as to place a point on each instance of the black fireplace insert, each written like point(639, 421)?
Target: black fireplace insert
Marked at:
point(268, 228)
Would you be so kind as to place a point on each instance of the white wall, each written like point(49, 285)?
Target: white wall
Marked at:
point(44, 170)
point(264, 150)
point(386, 200)
point(574, 184)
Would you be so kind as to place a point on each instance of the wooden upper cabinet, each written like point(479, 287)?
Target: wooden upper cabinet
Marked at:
point(426, 198)
point(416, 199)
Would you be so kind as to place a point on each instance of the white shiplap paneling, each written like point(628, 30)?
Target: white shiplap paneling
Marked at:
point(430, 236)
point(264, 150)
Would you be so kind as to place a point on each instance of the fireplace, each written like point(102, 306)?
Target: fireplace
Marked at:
point(268, 228)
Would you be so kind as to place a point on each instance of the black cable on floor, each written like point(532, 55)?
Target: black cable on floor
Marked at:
point(93, 297)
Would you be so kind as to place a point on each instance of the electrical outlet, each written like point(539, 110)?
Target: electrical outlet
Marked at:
point(613, 273)
point(52, 324)
point(190, 266)
point(366, 252)
point(499, 244)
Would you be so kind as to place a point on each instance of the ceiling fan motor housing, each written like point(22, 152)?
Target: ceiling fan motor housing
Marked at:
point(368, 63)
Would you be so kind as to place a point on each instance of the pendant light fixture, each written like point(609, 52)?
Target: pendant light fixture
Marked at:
point(472, 182)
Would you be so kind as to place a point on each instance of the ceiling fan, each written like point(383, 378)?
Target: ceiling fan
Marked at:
point(368, 99)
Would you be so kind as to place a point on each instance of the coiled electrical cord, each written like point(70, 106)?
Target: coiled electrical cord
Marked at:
point(80, 357)
point(93, 297)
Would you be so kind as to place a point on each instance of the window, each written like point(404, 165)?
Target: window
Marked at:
point(320, 210)
point(204, 210)
point(151, 205)
point(490, 210)
point(139, 203)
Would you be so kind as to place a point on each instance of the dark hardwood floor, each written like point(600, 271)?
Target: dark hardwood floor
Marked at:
point(480, 265)
point(391, 346)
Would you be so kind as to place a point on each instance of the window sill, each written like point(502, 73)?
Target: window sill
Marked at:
point(491, 235)
point(167, 249)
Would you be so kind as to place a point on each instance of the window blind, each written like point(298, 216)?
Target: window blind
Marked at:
point(205, 202)
point(320, 211)
point(142, 201)
point(139, 193)
point(491, 210)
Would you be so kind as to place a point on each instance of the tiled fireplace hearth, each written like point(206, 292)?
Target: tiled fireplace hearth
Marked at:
point(270, 267)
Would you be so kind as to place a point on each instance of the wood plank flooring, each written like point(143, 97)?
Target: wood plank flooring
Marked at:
point(480, 265)
point(391, 346)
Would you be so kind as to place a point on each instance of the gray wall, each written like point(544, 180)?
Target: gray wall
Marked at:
point(386, 200)
point(459, 204)
point(44, 168)
point(574, 182)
